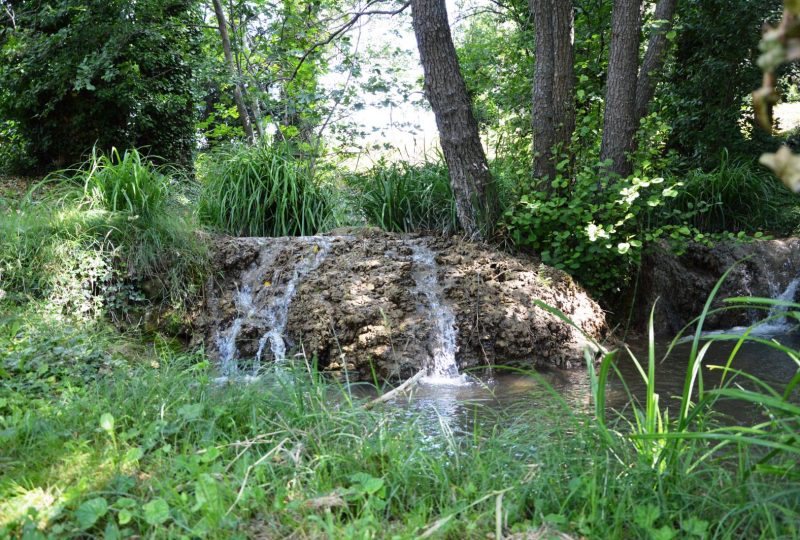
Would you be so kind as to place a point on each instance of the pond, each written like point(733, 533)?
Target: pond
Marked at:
point(501, 395)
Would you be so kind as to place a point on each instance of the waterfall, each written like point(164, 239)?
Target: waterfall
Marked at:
point(779, 324)
point(254, 292)
point(226, 341)
point(276, 313)
point(773, 326)
point(442, 367)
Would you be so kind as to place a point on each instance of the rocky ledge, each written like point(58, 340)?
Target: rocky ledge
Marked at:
point(356, 300)
point(682, 283)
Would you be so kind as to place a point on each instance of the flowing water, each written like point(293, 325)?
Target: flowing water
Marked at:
point(261, 282)
point(504, 396)
point(442, 367)
point(458, 403)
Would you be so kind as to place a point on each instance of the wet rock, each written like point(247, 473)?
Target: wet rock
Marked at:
point(361, 309)
point(683, 283)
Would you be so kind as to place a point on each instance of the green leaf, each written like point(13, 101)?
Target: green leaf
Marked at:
point(124, 516)
point(556, 519)
point(206, 493)
point(156, 512)
point(664, 533)
point(107, 422)
point(695, 527)
point(90, 512)
point(191, 411)
point(133, 454)
point(367, 483)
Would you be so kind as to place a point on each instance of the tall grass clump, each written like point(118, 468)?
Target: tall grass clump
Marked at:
point(103, 235)
point(403, 197)
point(260, 190)
point(691, 436)
point(736, 196)
point(124, 182)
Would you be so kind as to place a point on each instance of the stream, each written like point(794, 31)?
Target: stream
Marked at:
point(495, 398)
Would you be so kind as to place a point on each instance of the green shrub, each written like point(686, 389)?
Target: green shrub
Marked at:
point(260, 190)
point(736, 196)
point(402, 197)
point(124, 183)
point(591, 226)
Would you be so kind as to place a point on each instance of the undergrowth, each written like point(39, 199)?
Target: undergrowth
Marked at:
point(132, 438)
point(403, 197)
point(736, 196)
point(106, 237)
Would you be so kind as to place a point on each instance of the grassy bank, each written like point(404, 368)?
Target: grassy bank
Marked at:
point(110, 435)
point(110, 429)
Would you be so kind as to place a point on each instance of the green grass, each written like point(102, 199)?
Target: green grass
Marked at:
point(403, 197)
point(260, 190)
point(91, 239)
point(106, 435)
point(736, 196)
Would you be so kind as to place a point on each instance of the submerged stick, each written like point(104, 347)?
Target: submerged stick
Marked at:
point(389, 395)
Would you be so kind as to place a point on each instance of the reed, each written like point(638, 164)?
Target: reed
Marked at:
point(260, 190)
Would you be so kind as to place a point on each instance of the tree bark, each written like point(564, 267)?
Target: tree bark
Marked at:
point(620, 122)
point(564, 75)
point(654, 57)
point(543, 114)
point(244, 116)
point(472, 183)
point(554, 83)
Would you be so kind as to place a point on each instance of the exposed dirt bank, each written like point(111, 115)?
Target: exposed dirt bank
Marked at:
point(361, 308)
point(683, 283)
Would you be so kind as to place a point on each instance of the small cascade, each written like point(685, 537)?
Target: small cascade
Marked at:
point(443, 368)
point(244, 302)
point(277, 311)
point(776, 323)
point(250, 302)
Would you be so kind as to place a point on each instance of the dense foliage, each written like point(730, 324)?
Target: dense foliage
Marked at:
point(108, 73)
point(260, 190)
point(713, 74)
point(401, 197)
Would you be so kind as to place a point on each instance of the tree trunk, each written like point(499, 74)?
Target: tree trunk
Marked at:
point(473, 186)
point(654, 57)
point(564, 74)
point(620, 122)
point(553, 83)
point(244, 116)
point(543, 114)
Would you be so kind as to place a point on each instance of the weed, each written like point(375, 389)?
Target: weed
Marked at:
point(401, 197)
point(736, 196)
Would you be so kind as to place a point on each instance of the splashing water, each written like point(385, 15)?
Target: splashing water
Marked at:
point(226, 342)
point(776, 324)
point(442, 368)
point(272, 317)
point(779, 324)
point(277, 312)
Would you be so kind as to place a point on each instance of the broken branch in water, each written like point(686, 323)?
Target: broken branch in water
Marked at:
point(389, 395)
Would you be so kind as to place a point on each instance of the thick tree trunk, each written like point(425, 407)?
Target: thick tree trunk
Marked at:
point(473, 186)
point(554, 83)
point(654, 57)
point(244, 116)
point(620, 121)
point(543, 115)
